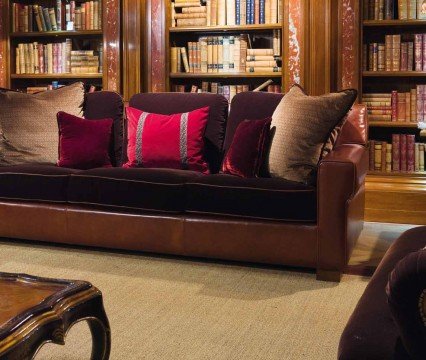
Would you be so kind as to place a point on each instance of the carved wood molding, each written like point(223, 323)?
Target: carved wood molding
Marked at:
point(111, 23)
point(349, 34)
point(156, 56)
point(3, 44)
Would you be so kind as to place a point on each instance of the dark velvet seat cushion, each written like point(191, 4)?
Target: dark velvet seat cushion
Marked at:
point(371, 332)
point(160, 190)
point(259, 198)
point(34, 182)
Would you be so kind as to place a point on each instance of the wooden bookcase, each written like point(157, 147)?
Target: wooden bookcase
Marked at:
point(81, 40)
point(392, 196)
point(260, 34)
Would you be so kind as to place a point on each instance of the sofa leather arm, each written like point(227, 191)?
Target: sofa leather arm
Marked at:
point(341, 176)
point(406, 291)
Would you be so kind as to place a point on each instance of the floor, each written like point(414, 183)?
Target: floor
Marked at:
point(373, 243)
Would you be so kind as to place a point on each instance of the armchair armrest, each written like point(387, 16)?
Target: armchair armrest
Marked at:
point(341, 176)
point(406, 291)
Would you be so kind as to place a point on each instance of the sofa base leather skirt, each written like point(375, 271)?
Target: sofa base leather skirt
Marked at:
point(269, 242)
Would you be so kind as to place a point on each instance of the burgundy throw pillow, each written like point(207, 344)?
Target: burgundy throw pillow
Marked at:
point(167, 141)
point(247, 152)
point(83, 144)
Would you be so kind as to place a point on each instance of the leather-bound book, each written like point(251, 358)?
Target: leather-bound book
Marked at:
point(410, 152)
point(410, 58)
point(413, 106)
point(419, 107)
point(389, 9)
point(394, 104)
point(381, 61)
point(421, 157)
point(411, 9)
point(407, 106)
point(402, 9)
point(403, 152)
point(395, 152)
point(388, 157)
point(396, 52)
point(377, 156)
point(418, 52)
point(365, 57)
point(421, 10)
point(383, 160)
point(371, 9)
point(424, 53)
point(388, 52)
point(404, 56)
point(416, 157)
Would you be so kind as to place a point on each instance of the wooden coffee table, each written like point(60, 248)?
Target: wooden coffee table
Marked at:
point(34, 311)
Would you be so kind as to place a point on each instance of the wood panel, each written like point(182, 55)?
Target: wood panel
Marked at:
point(3, 44)
point(155, 51)
point(112, 65)
point(133, 28)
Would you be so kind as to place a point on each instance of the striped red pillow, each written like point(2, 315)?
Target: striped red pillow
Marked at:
point(167, 141)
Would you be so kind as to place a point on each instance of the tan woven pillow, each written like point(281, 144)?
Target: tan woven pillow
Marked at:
point(302, 125)
point(28, 126)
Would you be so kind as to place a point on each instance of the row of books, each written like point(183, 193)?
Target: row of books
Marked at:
point(56, 58)
point(225, 12)
point(53, 86)
point(396, 55)
point(402, 155)
point(29, 18)
point(397, 106)
point(394, 9)
point(224, 54)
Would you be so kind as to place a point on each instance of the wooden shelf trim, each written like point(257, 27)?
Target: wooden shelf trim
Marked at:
point(390, 124)
point(394, 73)
point(413, 22)
point(408, 175)
point(225, 28)
point(55, 33)
point(225, 75)
point(56, 76)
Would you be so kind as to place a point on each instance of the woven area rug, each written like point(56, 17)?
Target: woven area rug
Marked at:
point(171, 308)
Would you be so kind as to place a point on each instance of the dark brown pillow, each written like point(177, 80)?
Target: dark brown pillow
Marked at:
point(28, 127)
point(302, 125)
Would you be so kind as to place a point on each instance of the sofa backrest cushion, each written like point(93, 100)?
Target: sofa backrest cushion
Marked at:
point(28, 123)
point(249, 106)
point(108, 104)
point(174, 103)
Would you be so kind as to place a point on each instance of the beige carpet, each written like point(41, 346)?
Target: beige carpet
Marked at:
point(161, 308)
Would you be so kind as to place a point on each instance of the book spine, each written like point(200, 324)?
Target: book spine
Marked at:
point(381, 61)
point(421, 10)
point(59, 14)
point(388, 157)
point(422, 157)
point(388, 53)
point(383, 154)
point(401, 107)
point(395, 152)
point(185, 59)
point(403, 9)
point(396, 52)
point(404, 56)
point(407, 106)
point(394, 104)
point(410, 57)
point(413, 106)
point(418, 52)
point(237, 12)
point(410, 152)
point(419, 106)
point(377, 156)
point(388, 9)
point(403, 153)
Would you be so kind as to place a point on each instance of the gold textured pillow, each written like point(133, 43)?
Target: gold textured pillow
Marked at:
point(302, 125)
point(28, 126)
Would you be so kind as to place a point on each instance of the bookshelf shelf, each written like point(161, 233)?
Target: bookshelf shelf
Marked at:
point(55, 33)
point(226, 28)
point(56, 76)
point(419, 174)
point(394, 124)
point(394, 73)
point(225, 75)
point(396, 23)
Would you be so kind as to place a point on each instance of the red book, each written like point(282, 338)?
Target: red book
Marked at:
point(403, 152)
point(418, 52)
point(40, 50)
point(395, 152)
point(394, 103)
point(419, 103)
point(424, 52)
point(410, 152)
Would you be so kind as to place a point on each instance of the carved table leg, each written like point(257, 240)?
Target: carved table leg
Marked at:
point(101, 338)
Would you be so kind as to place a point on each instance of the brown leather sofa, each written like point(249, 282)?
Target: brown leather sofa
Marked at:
point(179, 212)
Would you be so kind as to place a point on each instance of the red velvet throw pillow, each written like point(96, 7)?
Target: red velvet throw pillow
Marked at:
point(166, 141)
point(83, 144)
point(247, 152)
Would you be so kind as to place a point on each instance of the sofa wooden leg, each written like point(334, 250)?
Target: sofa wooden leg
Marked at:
point(329, 275)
